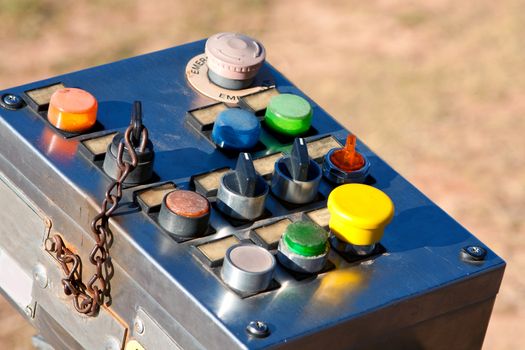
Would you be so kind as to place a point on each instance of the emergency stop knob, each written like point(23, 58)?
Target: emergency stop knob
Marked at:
point(358, 215)
point(233, 59)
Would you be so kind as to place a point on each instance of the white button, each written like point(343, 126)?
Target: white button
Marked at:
point(248, 268)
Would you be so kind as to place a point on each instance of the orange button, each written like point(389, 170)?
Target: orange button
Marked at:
point(347, 158)
point(72, 110)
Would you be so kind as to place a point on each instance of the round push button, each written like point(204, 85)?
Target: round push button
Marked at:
point(304, 247)
point(236, 129)
point(248, 268)
point(305, 238)
point(185, 213)
point(289, 114)
point(72, 110)
point(359, 213)
point(233, 59)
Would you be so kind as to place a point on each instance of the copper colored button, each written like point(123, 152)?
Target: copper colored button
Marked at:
point(185, 214)
point(72, 110)
point(187, 203)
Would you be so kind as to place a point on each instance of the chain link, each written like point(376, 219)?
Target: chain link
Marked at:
point(88, 298)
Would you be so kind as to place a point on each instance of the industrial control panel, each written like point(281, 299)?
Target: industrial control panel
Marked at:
point(194, 198)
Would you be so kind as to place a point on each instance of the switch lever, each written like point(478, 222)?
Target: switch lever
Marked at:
point(246, 175)
point(296, 177)
point(300, 160)
point(242, 192)
point(346, 165)
point(136, 121)
point(348, 159)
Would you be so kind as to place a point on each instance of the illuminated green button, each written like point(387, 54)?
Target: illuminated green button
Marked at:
point(289, 114)
point(305, 238)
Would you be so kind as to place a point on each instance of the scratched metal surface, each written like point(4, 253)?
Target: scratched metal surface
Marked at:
point(422, 242)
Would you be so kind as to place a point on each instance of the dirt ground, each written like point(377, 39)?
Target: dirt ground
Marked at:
point(437, 88)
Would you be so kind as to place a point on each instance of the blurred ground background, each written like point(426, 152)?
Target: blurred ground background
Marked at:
point(437, 88)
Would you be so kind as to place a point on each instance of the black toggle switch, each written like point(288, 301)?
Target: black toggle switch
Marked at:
point(246, 176)
point(242, 192)
point(296, 177)
point(299, 160)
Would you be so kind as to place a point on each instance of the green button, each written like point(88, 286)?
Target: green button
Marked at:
point(289, 114)
point(305, 238)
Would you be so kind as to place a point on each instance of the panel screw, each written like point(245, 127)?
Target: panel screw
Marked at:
point(29, 311)
point(11, 101)
point(258, 329)
point(50, 245)
point(473, 253)
point(139, 326)
point(40, 275)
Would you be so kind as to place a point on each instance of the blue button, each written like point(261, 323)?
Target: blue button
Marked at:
point(236, 129)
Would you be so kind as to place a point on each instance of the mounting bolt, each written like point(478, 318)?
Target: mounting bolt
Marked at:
point(138, 325)
point(40, 275)
point(50, 245)
point(29, 311)
point(473, 253)
point(11, 101)
point(258, 329)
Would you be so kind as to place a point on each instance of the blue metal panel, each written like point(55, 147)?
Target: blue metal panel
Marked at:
point(422, 242)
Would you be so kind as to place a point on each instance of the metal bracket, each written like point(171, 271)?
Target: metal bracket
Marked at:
point(150, 335)
point(85, 330)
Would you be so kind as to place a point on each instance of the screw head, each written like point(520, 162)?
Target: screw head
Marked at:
point(258, 329)
point(11, 101)
point(138, 325)
point(40, 275)
point(473, 253)
point(29, 311)
point(50, 245)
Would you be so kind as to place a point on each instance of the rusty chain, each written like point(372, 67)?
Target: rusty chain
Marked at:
point(88, 298)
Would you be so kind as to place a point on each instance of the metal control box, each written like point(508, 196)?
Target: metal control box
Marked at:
point(424, 289)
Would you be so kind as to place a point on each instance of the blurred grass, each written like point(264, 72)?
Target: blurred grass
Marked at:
point(436, 88)
point(27, 18)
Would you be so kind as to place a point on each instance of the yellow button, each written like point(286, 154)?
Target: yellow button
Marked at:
point(72, 110)
point(359, 213)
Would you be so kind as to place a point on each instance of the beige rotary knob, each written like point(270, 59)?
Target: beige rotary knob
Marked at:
point(233, 59)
